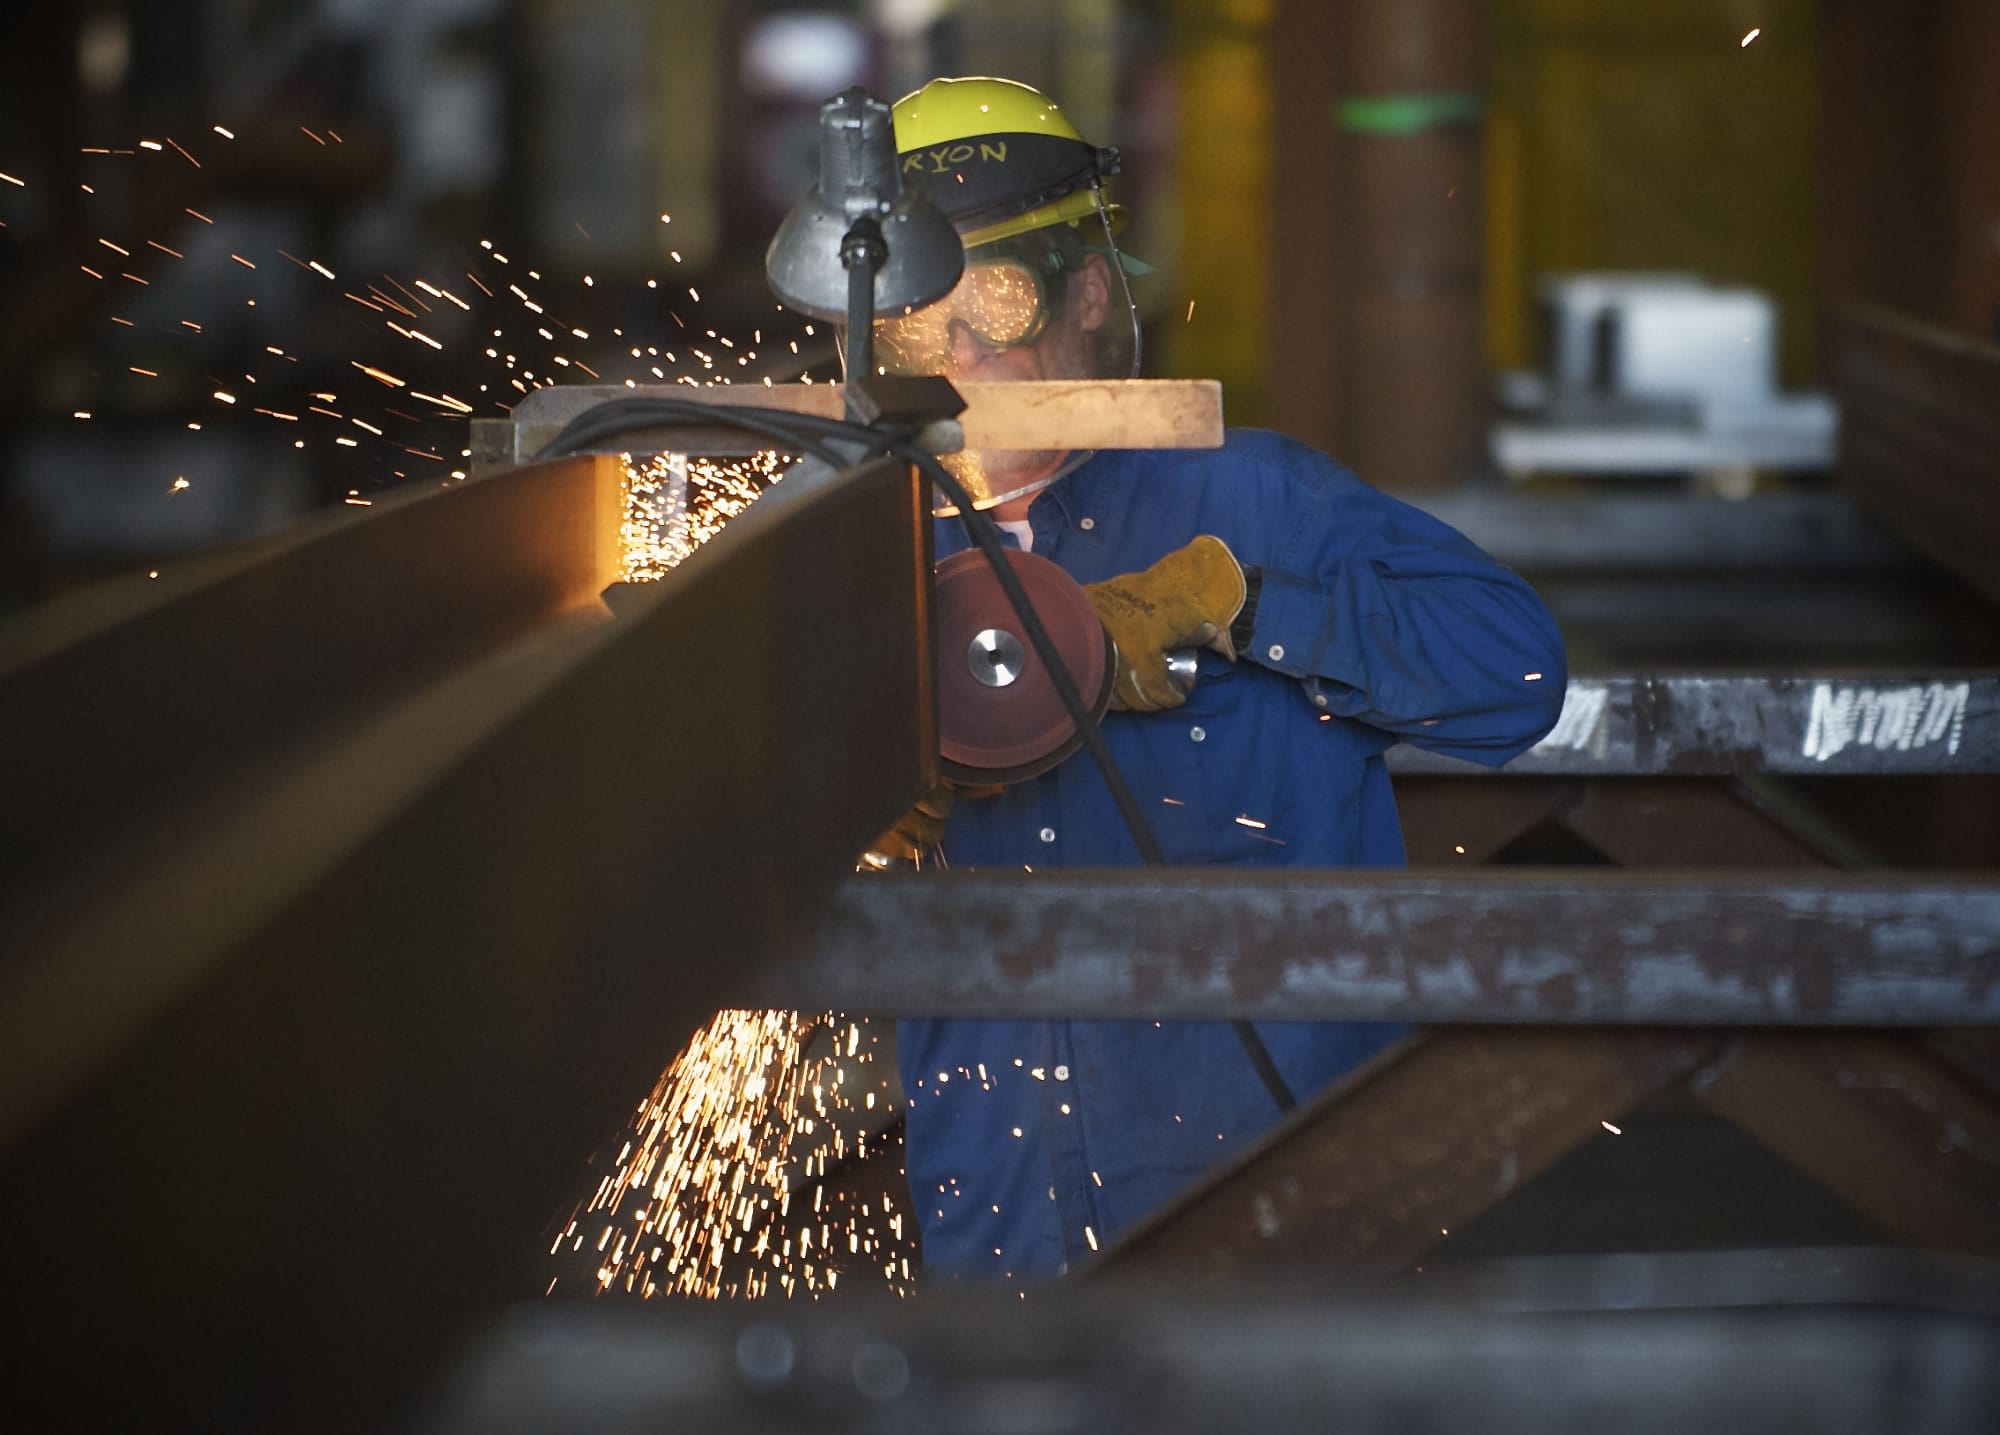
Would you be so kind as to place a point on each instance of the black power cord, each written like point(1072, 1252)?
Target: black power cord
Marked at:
point(817, 436)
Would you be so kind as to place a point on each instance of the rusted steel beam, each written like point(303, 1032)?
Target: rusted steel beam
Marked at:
point(1974, 1053)
point(1448, 823)
point(125, 706)
point(1920, 435)
point(1655, 822)
point(1738, 823)
point(1355, 1187)
point(1471, 947)
point(1766, 1278)
point(305, 1069)
point(1800, 724)
point(1069, 413)
point(1670, 822)
point(1878, 1121)
point(1162, 1361)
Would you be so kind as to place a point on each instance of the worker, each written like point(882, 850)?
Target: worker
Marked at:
point(1333, 622)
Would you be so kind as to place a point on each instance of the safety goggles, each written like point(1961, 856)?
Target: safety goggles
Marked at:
point(1003, 302)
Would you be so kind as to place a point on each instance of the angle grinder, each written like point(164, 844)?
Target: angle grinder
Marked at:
point(1000, 719)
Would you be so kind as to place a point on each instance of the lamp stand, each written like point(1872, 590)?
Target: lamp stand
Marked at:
point(862, 252)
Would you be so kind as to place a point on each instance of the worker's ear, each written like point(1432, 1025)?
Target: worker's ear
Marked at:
point(1091, 293)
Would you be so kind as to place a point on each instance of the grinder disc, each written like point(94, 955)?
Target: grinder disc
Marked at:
point(999, 718)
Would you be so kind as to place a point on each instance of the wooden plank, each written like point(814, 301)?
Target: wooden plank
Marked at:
point(1055, 414)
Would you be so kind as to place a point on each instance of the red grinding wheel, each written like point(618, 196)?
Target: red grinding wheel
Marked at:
point(999, 718)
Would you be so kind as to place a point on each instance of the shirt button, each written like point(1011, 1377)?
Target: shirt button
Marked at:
point(1319, 700)
point(1062, 1073)
point(1087, 524)
point(1275, 652)
point(1048, 834)
point(1199, 734)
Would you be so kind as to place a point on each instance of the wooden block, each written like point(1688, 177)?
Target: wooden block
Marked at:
point(1058, 414)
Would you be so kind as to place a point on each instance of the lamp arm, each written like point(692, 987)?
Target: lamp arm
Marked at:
point(862, 252)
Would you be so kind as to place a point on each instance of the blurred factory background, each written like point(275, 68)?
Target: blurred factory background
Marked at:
point(1449, 240)
point(1687, 309)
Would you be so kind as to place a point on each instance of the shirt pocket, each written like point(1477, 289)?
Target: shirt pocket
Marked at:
point(1195, 768)
point(1179, 809)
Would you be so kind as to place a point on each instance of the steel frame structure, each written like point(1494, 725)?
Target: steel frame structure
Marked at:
point(345, 866)
point(1485, 948)
point(360, 874)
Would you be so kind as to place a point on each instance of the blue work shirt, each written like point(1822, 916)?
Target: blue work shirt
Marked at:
point(1032, 1144)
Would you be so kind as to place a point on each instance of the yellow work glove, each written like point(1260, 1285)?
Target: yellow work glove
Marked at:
point(1187, 599)
point(917, 831)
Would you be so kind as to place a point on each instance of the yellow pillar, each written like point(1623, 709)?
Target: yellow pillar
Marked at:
point(1222, 194)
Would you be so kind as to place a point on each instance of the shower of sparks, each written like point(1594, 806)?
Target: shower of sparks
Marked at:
point(716, 1190)
point(460, 341)
point(675, 503)
point(713, 1194)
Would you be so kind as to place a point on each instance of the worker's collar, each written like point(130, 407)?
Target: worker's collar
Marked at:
point(1069, 496)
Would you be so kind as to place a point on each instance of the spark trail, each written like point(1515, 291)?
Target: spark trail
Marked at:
point(718, 1189)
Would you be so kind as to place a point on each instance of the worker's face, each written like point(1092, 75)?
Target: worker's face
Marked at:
point(971, 335)
point(1024, 308)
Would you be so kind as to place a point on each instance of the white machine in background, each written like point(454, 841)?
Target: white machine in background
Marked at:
point(1658, 374)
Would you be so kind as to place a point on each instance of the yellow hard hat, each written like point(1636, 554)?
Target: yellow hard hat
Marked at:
point(998, 157)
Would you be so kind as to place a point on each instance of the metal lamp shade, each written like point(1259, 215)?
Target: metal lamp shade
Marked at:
point(859, 179)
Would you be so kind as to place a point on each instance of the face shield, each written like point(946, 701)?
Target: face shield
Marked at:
point(1017, 294)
